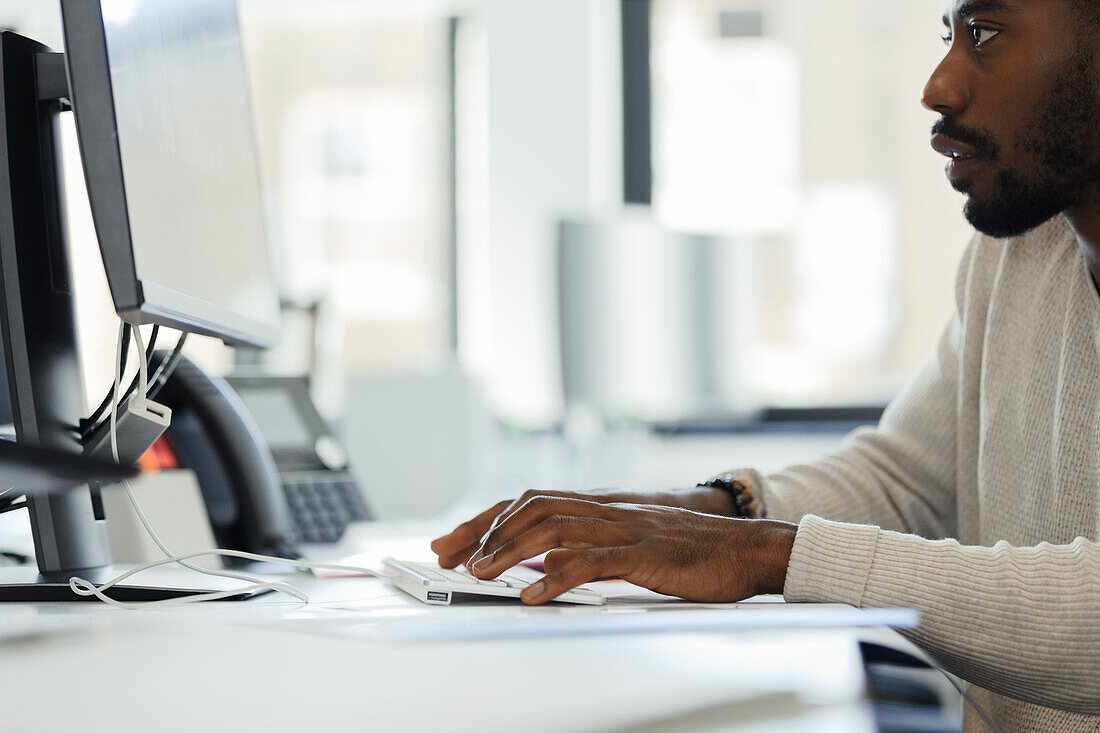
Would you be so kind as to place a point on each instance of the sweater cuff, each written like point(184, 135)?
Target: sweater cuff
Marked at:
point(830, 562)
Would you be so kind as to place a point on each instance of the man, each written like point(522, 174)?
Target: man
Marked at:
point(977, 498)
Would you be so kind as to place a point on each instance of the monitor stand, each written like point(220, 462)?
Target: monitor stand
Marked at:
point(28, 585)
point(38, 327)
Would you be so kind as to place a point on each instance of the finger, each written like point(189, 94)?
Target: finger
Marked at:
point(557, 530)
point(586, 566)
point(468, 533)
point(476, 556)
point(555, 559)
point(511, 509)
point(458, 558)
point(493, 516)
point(469, 555)
point(450, 547)
point(534, 512)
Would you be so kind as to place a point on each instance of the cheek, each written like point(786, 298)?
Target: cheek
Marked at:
point(1009, 100)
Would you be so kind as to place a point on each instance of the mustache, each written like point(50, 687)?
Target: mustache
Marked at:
point(980, 140)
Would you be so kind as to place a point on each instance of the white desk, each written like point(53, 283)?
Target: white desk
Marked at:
point(277, 665)
point(274, 665)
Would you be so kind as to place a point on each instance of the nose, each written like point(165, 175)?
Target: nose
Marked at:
point(946, 91)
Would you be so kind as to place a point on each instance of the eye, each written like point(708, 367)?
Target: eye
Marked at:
point(946, 38)
point(982, 35)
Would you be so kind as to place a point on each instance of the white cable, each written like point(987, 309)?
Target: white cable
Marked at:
point(114, 391)
point(143, 365)
point(139, 343)
point(85, 588)
point(82, 587)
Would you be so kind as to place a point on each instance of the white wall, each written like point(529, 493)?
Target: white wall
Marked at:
point(553, 147)
point(540, 137)
point(37, 19)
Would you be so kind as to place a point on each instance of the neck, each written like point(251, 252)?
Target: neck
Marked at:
point(1085, 222)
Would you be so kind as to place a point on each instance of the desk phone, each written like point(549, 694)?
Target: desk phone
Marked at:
point(322, 493)
point(271, 473)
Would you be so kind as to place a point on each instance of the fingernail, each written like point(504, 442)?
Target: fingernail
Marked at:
point(484, 562)
point(533, 591)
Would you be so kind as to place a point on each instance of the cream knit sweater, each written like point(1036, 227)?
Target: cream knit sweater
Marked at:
point(977, 498)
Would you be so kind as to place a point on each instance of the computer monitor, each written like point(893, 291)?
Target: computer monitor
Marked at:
point(162, 109)
point(160, 97)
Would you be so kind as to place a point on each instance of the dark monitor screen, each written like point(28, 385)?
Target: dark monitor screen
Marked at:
point(160, 94)
point(278, 418)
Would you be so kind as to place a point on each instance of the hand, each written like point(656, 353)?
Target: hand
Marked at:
point(673, 551)
point(461, 543)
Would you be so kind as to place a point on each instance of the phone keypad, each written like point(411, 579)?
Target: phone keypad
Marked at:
point(323, 505)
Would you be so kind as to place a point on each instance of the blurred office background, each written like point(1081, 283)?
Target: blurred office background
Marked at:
point(585, 242)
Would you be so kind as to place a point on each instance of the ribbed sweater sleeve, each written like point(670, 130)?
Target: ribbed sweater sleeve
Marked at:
point(975, 498)
point(1021, 622)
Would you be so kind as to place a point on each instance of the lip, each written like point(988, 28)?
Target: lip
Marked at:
point(963, 158)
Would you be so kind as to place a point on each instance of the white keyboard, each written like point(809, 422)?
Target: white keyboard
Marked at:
point(430, 583)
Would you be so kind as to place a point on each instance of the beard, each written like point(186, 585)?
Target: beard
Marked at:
point(1063, 136)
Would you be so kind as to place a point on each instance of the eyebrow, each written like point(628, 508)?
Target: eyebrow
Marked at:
point(973, 7)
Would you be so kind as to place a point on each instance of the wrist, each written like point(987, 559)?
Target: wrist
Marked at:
point(711, 500)
point(744, 496)
point(702, 499)
point(775, 545)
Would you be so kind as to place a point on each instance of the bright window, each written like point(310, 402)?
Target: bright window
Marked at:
point(353, 130)
point(795, 128)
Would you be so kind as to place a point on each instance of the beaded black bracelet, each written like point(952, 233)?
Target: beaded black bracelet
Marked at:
point(739, 489)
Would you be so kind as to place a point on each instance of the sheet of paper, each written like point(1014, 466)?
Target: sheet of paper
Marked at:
point(455, 623)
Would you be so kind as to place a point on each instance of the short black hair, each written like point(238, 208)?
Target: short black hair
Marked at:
point(1088, 10)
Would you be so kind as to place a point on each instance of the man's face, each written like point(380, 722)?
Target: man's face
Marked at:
point(1020, 111)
